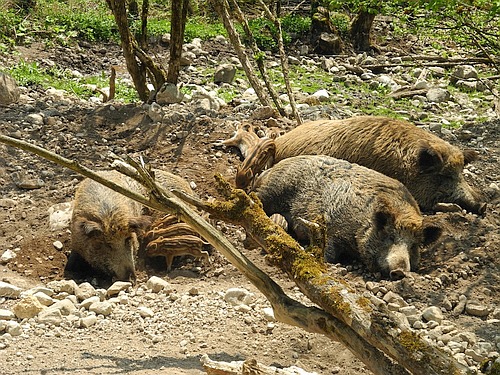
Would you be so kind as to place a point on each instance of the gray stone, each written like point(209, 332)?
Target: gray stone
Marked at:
point(145, 312)
point(60, 216)
point(7, 256)
point(7, 314)
point(88, 321)
point(438, 95)
point(13, 328)
point(476, 308)
point(51, 316)
point(65, 306)
point(35, 118)
point(238, 296)
point(321, 95)
point(391, 297)
point(58, 245)
point(169, 94)
point(224, 73)
point(9, 91)
point(7, 203)
point(89, 301)
point(58, 286)
point(465, 72)
point(43, 298)
point(432, 313)
point(84, 291)
point(157, 284)
point(408, 310)
point(117, 287)
point(28, 307)
point(155, 112)
point(103, 308)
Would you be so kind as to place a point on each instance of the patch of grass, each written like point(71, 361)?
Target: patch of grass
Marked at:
point(31, 74)
point(202, 28)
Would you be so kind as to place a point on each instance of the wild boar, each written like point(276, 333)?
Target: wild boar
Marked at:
point(106, 226)
point(365, 213)
point(428, 166)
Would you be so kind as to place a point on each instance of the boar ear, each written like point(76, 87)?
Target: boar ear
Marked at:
point(139, 224)
point(431, 234)
point(470, 156)
point(429, 159)
point(382, 219)
point(89, 228)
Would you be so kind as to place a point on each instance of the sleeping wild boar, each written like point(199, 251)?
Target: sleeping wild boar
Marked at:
point(366, 214)
point(428, 166)
point(106, 226)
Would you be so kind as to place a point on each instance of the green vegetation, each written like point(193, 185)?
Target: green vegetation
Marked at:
point(31, 74)
point(265, 32)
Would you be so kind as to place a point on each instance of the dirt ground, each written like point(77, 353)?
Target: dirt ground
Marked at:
point(464, 261)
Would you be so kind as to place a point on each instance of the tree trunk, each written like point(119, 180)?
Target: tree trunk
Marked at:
point(136, 70)
point(178, 23)
point(222, 8)
point(361, 30)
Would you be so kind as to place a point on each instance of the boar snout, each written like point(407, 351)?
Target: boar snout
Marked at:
point(398, 261)
point(470, 199)
point(478, 208)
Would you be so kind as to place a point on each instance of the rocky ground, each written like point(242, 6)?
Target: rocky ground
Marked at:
point(164, 325)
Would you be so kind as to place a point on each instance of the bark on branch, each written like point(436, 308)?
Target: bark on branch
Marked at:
point(372, 333)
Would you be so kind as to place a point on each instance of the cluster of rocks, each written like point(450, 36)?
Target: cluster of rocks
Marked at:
point(430, 323)
point(63, 305)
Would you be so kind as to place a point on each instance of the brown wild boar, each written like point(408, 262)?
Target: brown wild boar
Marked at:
point(365, 213)
point(107, 226)
point(428, 166)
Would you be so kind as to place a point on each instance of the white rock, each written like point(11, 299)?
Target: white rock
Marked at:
point(89, 301)
point(9, 290)
point(391, 297)
point(58, 245)
point(104, 308)
point(58, 286)
point(465, 72)
point(7, 314)
point(65, 306)
point(157, 284)
point(476, 309)
point(438, 95)
point(238, 296)
point(169, 94)
point(28, 307)
point(88, 321)
point(51, 316)
point(7, 256)
point(84, 291)
point(60, 216)
point(13, 328)
point(269, 314)
point(43, 298)
point(408, 310)
point(145, 312)
point(432, 313)
point(117, 287)
point(322, 95)
point(155, 112)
